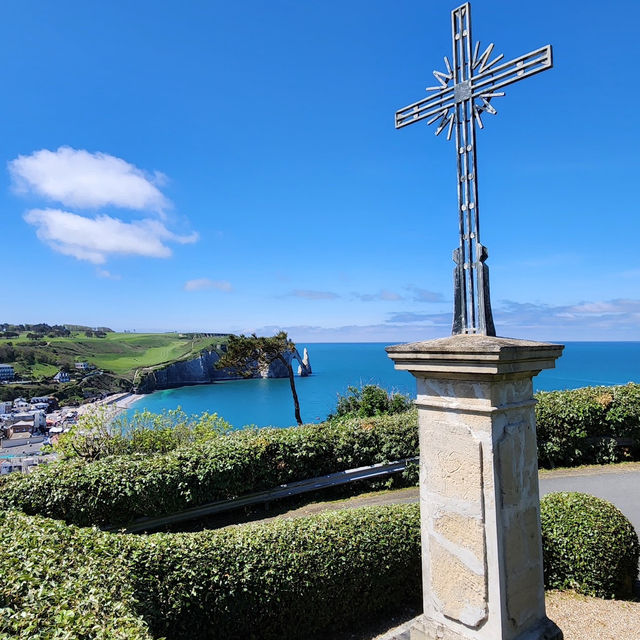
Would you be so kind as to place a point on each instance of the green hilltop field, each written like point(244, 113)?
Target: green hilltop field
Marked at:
point(36, 358)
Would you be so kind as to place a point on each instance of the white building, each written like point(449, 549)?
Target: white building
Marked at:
point(37, 418)
point(5, 407)
point(62, 376)
point(83, 366)
point(6, 372)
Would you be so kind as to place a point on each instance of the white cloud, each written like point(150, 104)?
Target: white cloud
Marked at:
point(79, 178)
point(311, 294)
point(383, 294)
point(200, 284)
point(424, 295)
point(104, 273)
point(94, 239)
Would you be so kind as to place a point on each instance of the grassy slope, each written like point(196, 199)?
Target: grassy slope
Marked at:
point(121, 353)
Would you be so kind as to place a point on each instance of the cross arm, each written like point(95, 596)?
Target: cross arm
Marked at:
point(437, 104)
point(522, 67)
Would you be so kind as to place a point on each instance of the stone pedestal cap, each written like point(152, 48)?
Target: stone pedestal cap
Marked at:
point(474, 354)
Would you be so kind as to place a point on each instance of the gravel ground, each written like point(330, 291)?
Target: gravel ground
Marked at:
point(581, 617)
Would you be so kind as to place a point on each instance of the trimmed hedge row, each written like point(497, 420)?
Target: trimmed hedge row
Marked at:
point(309, 577)
point(119, 489)
point(59, 582)
point(574, 427)
point(286, 579)
point(580, 426)
point(588, 545)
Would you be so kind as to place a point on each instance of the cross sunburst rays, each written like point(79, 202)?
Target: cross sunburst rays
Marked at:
point(481, 101)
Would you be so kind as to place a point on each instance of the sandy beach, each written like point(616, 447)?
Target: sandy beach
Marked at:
point(115, 403)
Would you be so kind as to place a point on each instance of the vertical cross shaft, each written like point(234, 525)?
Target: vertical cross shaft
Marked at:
point(475, 82)
point(472, 305)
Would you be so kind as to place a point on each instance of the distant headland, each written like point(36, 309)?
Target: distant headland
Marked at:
point(76, 363)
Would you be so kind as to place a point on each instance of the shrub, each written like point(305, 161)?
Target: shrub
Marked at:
point(286, 579)
point(588, 545)
point(371, 400)
point(99, 433)
point(292, 579)
point(60, 582)
point(580, 426)
point(118, 489)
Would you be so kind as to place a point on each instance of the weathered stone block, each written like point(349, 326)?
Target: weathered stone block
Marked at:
point(464, 531)
point(457, 591)
point(454, 467)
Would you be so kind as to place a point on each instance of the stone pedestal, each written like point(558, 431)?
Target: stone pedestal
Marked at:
point(479, 500)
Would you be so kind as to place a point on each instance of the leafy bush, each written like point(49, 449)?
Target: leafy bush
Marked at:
point(371, 400)
point(118, 489)
point(60, 583)
point(581, 426)
point(286, 579)
point(99, 434)
point(588, 545)
point(292, 579)
point(308, 577)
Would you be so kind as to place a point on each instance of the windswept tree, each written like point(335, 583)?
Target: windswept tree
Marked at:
point(246, 355)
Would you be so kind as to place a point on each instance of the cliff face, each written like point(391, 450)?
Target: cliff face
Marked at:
point(202, 370)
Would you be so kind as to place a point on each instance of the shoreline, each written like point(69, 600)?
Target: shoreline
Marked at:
point(116, 403)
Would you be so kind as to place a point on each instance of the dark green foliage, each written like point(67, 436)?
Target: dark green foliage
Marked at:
point(288, 579)
point(292, 579)
point(588, 545)
point(371, 400)
point(583, 425)
point(118, 489)
point(62, 583)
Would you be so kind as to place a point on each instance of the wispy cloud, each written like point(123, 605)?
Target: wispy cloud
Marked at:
point(383, 294)
point(424, 295)
point(311, 294)
point(104, 273)
point(202, 284)
point(408, 316)
point(599, 319)
point(388, 333)
point(94, 239)
point(617, 319)
point(79, 178)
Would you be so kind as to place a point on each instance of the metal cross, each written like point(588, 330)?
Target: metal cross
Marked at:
point(464, 92)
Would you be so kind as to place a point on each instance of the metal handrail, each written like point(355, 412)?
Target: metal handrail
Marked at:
point(260, 497)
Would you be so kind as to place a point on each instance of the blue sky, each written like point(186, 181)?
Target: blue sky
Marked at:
point(234, 167)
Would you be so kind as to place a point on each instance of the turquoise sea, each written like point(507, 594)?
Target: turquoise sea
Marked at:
point(338, 365)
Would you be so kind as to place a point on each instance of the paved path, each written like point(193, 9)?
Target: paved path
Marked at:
point(617, 484)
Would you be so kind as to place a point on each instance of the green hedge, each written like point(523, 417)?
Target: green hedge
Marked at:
point(580, 426)
point(287, 579)
point(60, 583)
point(119, 489)
point(309, 577)
point(588, 545)
point(574, 427)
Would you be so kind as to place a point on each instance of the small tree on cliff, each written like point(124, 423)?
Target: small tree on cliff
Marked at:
point(246, 355)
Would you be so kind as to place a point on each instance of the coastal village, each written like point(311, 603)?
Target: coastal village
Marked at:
point(28, 426)
point(45, 387)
